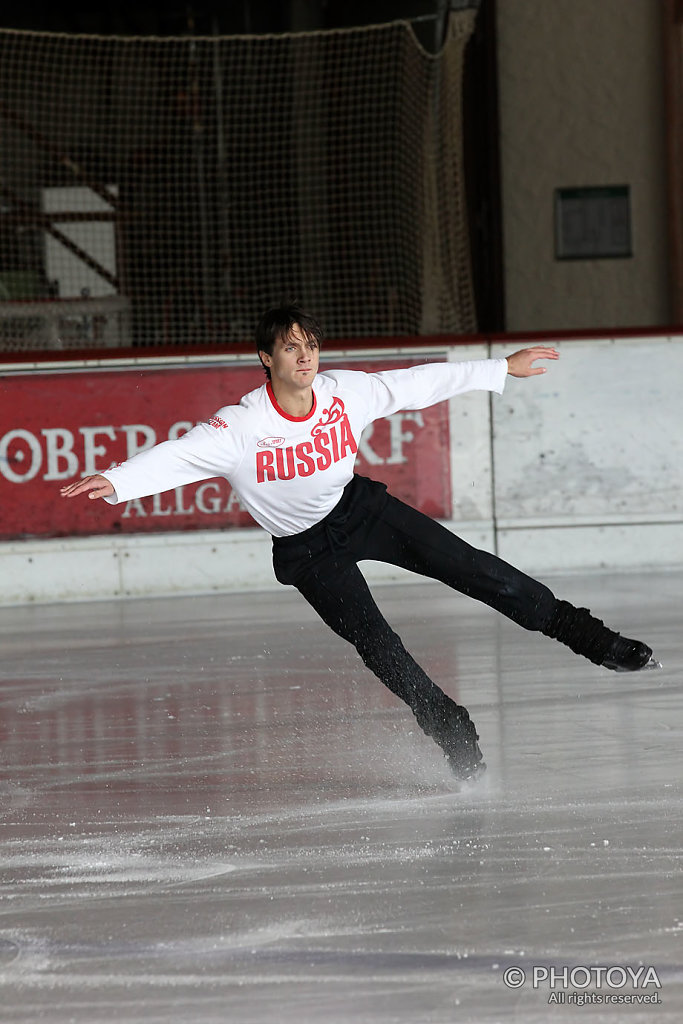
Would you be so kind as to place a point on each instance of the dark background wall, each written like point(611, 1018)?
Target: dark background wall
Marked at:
point(207, 16)
point(560, 94)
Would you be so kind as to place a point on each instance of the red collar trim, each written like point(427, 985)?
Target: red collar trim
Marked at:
point(281, 412)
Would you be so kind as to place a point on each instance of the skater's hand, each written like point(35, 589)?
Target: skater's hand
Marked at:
point(98, 486)
point(520, 364)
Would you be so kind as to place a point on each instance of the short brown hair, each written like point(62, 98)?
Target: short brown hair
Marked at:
point(278, 322)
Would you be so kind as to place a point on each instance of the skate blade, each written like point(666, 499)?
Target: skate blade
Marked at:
point(652, 663)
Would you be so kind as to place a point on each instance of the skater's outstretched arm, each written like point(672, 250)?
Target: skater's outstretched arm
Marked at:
point(98, 487)
point(520, 364)
point(207, 450)
point(419, 387)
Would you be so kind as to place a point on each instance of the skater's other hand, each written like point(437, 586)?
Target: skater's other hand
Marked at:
point(98, 486)
point(520, 364)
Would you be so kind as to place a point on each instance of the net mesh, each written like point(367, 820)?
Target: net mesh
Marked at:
point(200, 180)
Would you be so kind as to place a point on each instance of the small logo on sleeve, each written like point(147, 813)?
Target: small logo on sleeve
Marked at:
point(217, 423)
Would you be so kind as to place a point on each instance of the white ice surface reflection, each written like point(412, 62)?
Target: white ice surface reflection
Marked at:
point(211, 812)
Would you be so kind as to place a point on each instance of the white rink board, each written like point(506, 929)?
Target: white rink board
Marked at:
point(588, 459)
point(579, 469)
point(601, 434)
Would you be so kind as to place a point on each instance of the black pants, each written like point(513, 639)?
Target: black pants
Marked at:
point(369, 523)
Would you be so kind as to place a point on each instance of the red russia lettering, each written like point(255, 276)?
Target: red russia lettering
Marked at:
point(326, 448)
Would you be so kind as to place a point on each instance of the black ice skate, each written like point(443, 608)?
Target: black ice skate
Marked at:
point(629, 656)
point(466, 760)
point(451, 727)
point(586, 635)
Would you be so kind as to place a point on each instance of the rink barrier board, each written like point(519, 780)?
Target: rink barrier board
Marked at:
point(65, 424)
point(580, 468)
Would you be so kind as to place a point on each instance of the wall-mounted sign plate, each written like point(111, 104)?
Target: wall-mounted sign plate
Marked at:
point(593, 223)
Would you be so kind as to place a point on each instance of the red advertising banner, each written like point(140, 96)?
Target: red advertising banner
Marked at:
point(60, 425)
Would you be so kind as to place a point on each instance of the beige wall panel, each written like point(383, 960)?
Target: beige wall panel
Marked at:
point(581, 103)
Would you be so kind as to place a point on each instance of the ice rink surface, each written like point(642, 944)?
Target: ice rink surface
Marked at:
point(212, 812)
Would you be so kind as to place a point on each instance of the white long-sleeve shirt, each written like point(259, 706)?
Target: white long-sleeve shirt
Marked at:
point(290, 471)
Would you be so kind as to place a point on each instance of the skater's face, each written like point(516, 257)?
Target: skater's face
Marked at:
point(294, 361)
